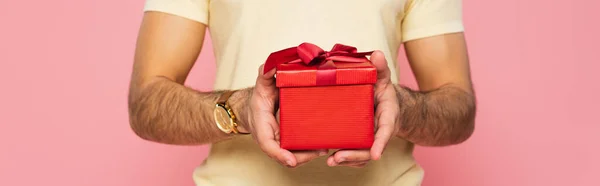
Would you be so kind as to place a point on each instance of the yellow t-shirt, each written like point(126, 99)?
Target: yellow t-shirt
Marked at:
point(245, 32)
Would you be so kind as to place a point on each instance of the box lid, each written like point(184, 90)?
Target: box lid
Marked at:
point(309, 65)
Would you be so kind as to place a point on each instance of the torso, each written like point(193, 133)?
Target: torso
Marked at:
point(245, 32)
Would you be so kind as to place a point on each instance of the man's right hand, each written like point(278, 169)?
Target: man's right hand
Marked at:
point(263, 124)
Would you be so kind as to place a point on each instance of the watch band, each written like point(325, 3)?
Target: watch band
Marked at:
point(224, 97)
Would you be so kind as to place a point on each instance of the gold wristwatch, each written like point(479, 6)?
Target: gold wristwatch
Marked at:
point(224, 116)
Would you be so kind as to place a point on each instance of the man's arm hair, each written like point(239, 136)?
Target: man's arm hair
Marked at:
point(443, 111)
point(441, 117)
point(168, 112)
point(161, 108)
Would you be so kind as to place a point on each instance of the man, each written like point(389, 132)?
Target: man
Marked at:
point(245, 32)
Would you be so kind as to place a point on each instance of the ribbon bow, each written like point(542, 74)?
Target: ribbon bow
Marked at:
point(312, 55)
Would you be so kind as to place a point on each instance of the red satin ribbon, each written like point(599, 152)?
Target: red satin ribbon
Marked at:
point(312, 55)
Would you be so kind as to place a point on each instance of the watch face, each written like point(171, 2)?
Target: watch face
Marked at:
point(222, 118)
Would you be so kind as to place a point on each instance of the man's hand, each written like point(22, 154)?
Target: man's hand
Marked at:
point(263, 124)
point(387, 111)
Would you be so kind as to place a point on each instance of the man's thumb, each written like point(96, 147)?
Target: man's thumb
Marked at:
point(266, 78)
point(380, 63)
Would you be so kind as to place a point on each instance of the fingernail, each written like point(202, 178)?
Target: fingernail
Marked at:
point(289, 163)
point(377, 157)
point(322, 153)
point(342, 160)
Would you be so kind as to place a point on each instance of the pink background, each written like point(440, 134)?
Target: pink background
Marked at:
point(64, 73)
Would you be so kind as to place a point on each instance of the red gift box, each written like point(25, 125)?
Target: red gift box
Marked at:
point(325, 97)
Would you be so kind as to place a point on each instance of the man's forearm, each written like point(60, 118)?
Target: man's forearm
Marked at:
point(436, 118)
point(167, 112)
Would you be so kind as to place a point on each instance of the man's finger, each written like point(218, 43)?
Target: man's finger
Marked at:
point(272, 149)
point(264, 82)
point(380, 63)
point(270, 75)
point(355, 164)
point(342, 156)
point(306, 156)
point(385, 129)
point(265, 135)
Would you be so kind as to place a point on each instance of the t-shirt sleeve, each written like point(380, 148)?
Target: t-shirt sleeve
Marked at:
point(196, 10)
point(426, 18)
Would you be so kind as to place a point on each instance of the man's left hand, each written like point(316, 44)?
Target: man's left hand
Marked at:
point(387, 111)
